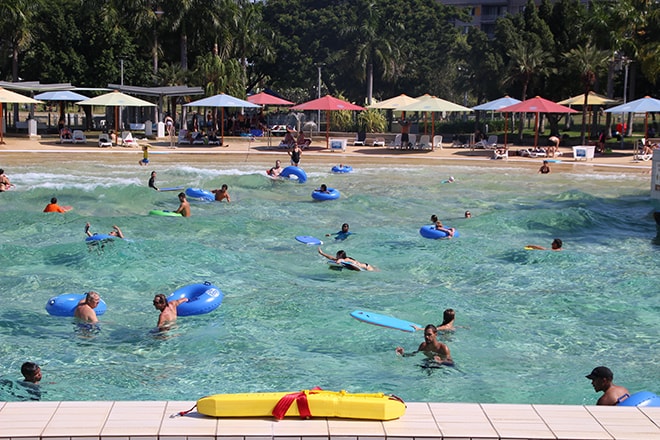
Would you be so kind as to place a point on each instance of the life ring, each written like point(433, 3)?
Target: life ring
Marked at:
point(100, 237)
point(163, 213)
point(66, 303)
point(202, 298)
point(342, 169)
point(332, 194)
point(198, 193)
point(429, 231)
point(299, 173)
point(642, 398)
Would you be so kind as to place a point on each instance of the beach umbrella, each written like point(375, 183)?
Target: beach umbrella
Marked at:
point(263, 98)
point(61, 96)
point(116, 99)
point(222, 101)
point(497, 104)
point(393, 103)
point(9, 97)
point(593, 98)
point(536, 105)
point(644, 105)
point(328, 104)
point(427, 103)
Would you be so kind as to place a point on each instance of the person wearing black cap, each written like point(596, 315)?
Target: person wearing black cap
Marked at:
point(601, 379)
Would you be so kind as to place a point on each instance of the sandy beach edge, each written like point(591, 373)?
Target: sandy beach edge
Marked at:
point(19, 150)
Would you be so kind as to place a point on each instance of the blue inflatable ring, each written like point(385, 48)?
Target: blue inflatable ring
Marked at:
point(202, 298)
point(66, 303)
point(198, 193)
point(100, 237)
point(342, 169)
point(299, 173)
point(332, 194)
point(642, 398)
point(429, 231)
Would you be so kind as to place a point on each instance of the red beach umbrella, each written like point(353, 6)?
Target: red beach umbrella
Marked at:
point(536, 105)
point(263, 98)
point(327, 103)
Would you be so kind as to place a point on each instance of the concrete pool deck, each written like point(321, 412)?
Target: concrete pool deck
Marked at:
point(154, 420)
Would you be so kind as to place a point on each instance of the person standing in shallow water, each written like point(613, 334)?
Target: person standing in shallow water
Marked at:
point(152, 181)
point(545, 168)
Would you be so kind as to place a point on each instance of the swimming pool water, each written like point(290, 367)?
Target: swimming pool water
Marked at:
point(531, 323)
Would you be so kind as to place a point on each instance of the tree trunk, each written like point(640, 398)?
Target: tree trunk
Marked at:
point(370, 82)
point(184, 50)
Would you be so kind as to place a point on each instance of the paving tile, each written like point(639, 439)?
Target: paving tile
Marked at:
point(625, 423)
point(78, 419)
point(572, 422)
point(25, 419)
point(134, 419)
point(192, 424)
point(295, 427)
point(253, 427)
point(462, 420)
point(517, 421)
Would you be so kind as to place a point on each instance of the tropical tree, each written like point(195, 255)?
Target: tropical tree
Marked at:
point(587, 60)
point(16, 24)
point(374, 38)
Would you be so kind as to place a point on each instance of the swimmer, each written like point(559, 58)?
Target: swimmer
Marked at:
point(468, 214)
point(221, 194)
point(448, 318)
point(343, 234)
point(54, 207)
point(167, 310)
point(152, 181)
point(184, 206)
point(5, 184)
point(116, 232)
point(31, 372)
point(601, 379)
point(323, 189)
point(555, 246)
point(85, 308)
point(439, 227)
point(431, 347)
point(545, 168)
point(341, 257)
point(276, 170)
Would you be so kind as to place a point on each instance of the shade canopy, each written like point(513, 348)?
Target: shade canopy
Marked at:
point(497, 104)
point(116, 99)
point(642, 105)
point(592, 99)
point(433, 104)
point(537, 105)
point(327, 103)
point(9, 97)
point(221, 100)
point(263, 98)
point(61, 95)
point(393, 103)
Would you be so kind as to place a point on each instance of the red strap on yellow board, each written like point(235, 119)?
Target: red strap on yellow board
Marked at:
point(287, 400)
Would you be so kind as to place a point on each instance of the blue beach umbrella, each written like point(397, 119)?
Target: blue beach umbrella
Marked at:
point(497, 104)
point(61, 95)
point(644, 105)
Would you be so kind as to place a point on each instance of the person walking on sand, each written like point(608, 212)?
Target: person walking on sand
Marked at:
point(222, 194)
point(601, 379)
point(167, 310)
point(184, 206)
point(405, 132)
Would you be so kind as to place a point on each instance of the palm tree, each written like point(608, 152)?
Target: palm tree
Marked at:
point(375, 42)
point(16, 20)
point(527, 60)
point(587, 60)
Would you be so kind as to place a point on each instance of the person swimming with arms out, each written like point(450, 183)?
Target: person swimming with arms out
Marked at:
point(342, 258)
point(342, 234)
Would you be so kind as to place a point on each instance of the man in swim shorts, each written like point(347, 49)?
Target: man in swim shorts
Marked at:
point(85, 309)
point(222, 194)
point(276, 170)
point(184, 206)
point(167, 309)
point(601, 379)
point(431, 347)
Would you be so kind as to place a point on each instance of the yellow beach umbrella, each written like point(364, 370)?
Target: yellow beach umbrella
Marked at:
point(9, 97)
point(592, 99)
point(393, 103)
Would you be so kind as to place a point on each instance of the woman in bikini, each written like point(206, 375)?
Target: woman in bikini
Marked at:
point(341, 257)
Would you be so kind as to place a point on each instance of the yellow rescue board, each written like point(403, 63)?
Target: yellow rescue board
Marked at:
point(377, 406)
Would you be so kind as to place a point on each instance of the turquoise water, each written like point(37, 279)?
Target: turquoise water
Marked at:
point(532, 323)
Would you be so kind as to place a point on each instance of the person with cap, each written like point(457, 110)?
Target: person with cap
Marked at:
point(601, 379)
